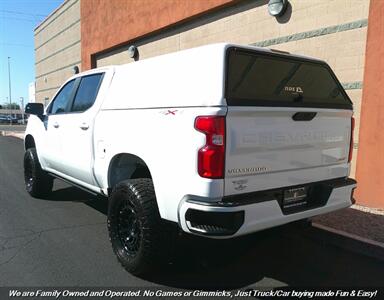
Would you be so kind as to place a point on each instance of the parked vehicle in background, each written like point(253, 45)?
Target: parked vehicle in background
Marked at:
point(218, 141)
point(5, 119)
point(11, 119)
point(15, 119)
point(22, 121)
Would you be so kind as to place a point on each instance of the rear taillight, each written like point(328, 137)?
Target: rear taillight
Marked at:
point(351, 141)
point(211, 157)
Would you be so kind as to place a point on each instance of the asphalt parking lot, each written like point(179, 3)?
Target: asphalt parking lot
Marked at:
point(63, 241)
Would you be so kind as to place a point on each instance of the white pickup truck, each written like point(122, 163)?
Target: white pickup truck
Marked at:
point(222, 140)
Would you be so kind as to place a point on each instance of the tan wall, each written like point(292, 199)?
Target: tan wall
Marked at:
point(57, 49)
point(249, 23)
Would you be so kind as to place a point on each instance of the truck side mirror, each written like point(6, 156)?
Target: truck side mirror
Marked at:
point(35, 109)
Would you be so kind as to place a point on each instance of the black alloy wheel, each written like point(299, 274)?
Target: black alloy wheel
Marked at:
point(129, 229)
point(140, 239)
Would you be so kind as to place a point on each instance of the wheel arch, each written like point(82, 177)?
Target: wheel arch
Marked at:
point(124, 166)
point(29, 142)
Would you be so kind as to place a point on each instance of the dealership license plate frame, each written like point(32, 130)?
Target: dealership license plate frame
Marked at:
point(295, 197)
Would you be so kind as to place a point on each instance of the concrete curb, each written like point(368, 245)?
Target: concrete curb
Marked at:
point(16, 134)
point(347, 241)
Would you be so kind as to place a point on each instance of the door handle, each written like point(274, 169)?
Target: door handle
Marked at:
point(304, 116)
point(84, 126)
point(56, 125)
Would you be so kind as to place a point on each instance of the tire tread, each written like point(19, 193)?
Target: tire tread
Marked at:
point(158, 236)
point(42, 181)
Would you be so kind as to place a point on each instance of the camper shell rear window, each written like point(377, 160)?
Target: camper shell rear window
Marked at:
point(270, 79)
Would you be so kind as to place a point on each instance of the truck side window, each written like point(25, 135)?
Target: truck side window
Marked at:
point(87, 92)
point(60, 103)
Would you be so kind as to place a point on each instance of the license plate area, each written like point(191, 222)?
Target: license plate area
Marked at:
point(301, 198)
point(295, 197)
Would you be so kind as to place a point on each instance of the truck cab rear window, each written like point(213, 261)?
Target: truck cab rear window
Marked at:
point(255, 79)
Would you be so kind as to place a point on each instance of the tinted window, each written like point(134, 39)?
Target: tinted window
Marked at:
point(60, 102)
point(87, 92)
point(255, 79)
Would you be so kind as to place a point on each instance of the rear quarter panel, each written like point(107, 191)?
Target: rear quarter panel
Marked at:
point(166, 140)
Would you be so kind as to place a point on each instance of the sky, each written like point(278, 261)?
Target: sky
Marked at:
point(18, 18)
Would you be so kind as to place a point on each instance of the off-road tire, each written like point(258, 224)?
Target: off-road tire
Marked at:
point(38, 183)
point(141, 240)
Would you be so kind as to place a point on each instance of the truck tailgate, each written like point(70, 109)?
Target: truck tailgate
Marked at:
point(267, 148)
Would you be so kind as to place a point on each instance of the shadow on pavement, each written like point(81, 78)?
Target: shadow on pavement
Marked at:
point(280, 255)
point(74, 194)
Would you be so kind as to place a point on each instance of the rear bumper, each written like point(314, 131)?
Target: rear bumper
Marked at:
point(250, 213)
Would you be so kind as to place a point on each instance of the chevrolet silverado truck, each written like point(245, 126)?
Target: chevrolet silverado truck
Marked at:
point(221, 140)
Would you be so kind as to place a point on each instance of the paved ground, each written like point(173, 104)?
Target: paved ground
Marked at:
point(15, 128)
point(358, 220)
point(62, 241)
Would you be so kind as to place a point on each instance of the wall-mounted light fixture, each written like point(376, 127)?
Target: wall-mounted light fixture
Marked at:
point(277, 8)
point(133, 52)
point(76, 70)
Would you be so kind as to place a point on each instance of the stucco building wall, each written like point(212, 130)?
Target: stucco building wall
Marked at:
point(370, 167)
point(57, 49)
